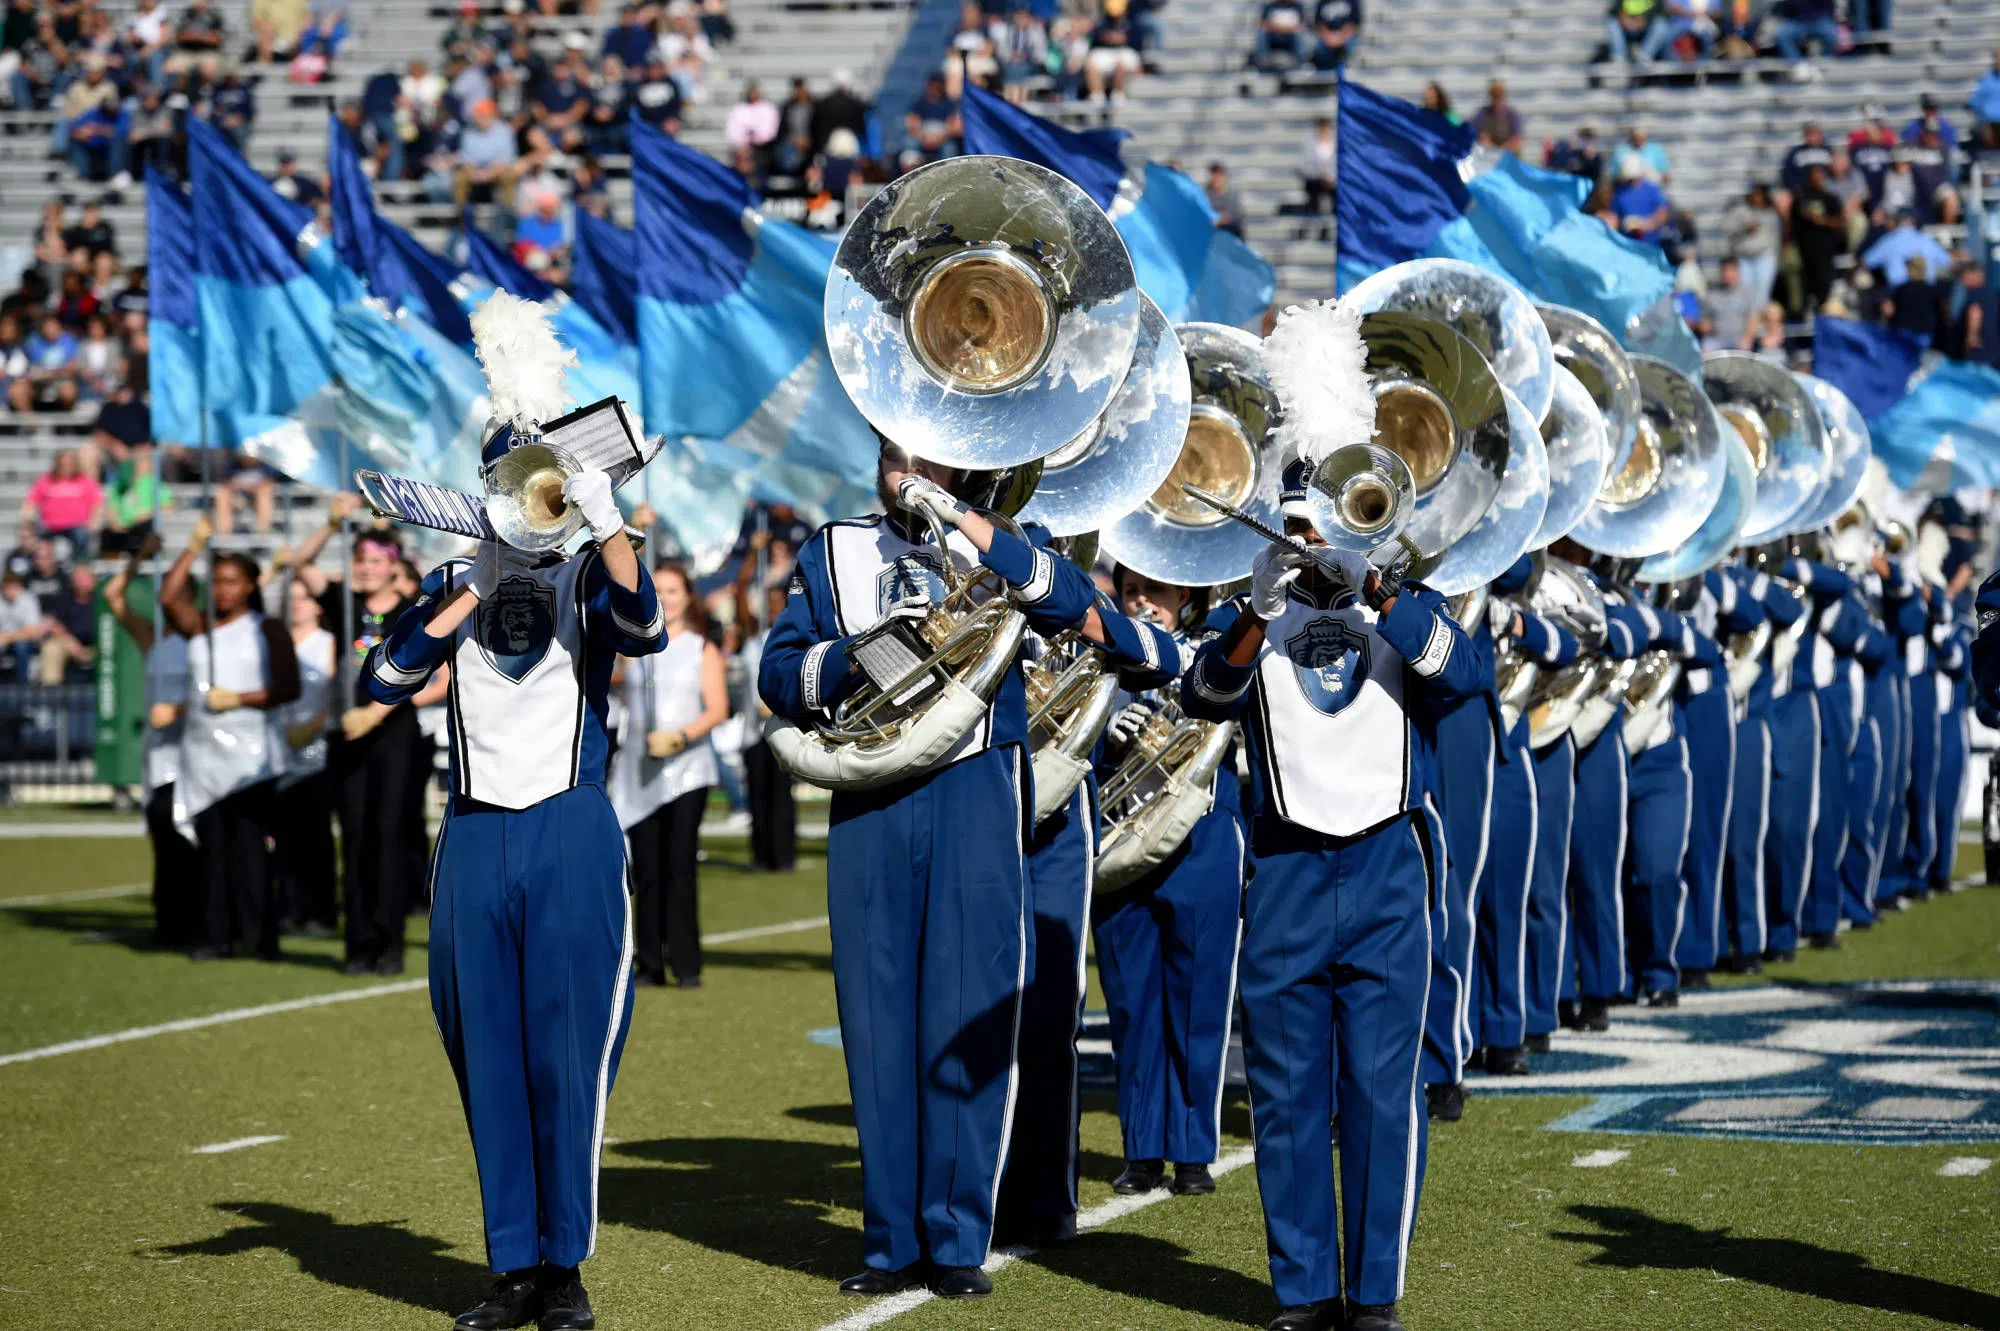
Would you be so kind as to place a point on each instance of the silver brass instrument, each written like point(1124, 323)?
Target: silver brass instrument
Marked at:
point(1850, 448)
point(1743, 655)
point(1579, 448)
point(1774, 416)
point(1070, 696)
point(1723, 529)
point(1588, 351)
point(1508, 528)
point(1605, 702)
point(1563, 594)
point(1493, 313)
point(1674, 475)
point(1159, 791)
point(1648, 697)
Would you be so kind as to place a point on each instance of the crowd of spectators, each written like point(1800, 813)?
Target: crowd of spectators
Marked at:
point(1665, 34)
point(1316, 35)
point(1037, 50)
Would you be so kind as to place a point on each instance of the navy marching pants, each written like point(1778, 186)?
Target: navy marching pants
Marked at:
point(1889, 696)
point(530, 978)
point(1788, 845)
point(927, 897)
point(1743, 904)
point(1655, 890)
point(1166, 956)
point(1500, 972)
point(1954, 765)
point(1463, 805)
point(1860, 865)
point(1711, 748)
point(1596, 861)
point(1821, 911)
point(1041, 1172)
point(1548, 897)
point(1920, 845)
point(1336, 953)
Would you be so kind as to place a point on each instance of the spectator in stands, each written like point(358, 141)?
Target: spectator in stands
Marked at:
point(76, 303)
point(22, 625)
point(607, 128)
point(1022, 46)
point(70, 644)
point(1729, 306)
point(1641, 205)
point(1800, 21)
point(275, 28)
point(1891, 254)
point(1820, 234)
point(1634, 30)
point(795, 129)
point(1224, 199)
point(840, 162)
point(1438, 102)
point(716, 25)
point(131, 501)
point(563, 99)
point(1935, 197)
point(232, 108)
point(99, 361)
point(1974, 332)
point(631, 40)
point(743, 161)
point(46, 66)
point(1497, 124)
point(1869, 19)
point(1809, 152)
point(65, 504)
point(656, 98)
point(41, 566)
point(290, 184)
point(1851, 188)
point(149, 36)
point(1316, 170)
point(467, 33)
point(325, 31)
point(752, 123)
point(1767, 335)
point(1281, 36)
point(1650, 155)
point(88, 126)
point(1579, 156)
point(91, 232)
point(1114, 54)
point(50, 384)
point(932, 124)
point(1985, 105)
point(839, 109)
point(1931, 118)
point(198, 41)
point(13, 361)
point(1872, 146)
point(1337, 25)
point(1917, 306)
point(687, 51)
point(540, 229)
point(485, 157)
point(970, 53)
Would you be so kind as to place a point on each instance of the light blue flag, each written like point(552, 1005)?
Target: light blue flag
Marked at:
point(1945, 432)
point(173, 319)
point(1412, 187)
point(606, 365)
point(732, 343)
point(1191, 269)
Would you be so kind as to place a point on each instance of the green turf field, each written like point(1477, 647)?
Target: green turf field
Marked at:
point(730, 1185)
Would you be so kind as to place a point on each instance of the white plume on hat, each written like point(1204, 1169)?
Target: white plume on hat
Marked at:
point(1318, 365)
point(524, 362)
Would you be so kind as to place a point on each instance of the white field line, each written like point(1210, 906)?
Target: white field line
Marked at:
point(81, 894)
point(1599, 1159)
point(323, 1000)
point(1964, 1166)
point(895, 1305)
point(241, 1143)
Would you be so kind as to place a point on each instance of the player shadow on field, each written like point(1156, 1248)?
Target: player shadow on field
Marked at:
point(380, 1257)
point(1634, 1239)
point(1139, 1266)
point(734, 958)
point(135, 932)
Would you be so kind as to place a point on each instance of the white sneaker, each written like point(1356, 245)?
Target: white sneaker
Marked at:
point(123, 180)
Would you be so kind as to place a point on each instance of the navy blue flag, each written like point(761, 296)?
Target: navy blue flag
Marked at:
point(602, 259)
point(173, 319)
point(398, 270)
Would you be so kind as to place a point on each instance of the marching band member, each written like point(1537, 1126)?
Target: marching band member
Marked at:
point(1499, 998)
point(1842, 629)
point(531, 925)
point(1597, 834)
point(661, 777)
point(1916, 799)
point(1554, 767)
point(1658, 816)
point(1721, 610)
point(1746, 922)
point(1167, 953)
point(926, 886)
point(1954, 640)
point(1872, 865)
point(1037, 1204)
point(1795, 725)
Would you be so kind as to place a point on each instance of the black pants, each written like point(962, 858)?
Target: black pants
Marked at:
point(774, 814)
point(302, 827)
point(664, 903)
point(1319, 197)
point(416, 837)
point(177, 885)
point(375, 775)
point(237, 903)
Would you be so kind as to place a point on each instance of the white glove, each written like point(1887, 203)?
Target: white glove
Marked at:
point(914, 492)
point(1499, 617)
point(484, 575)
point(1128, 721)
point(590, 491)
point(1272, 574)
point(914, 606)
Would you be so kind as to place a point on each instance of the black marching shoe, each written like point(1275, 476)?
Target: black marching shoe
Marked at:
point(1824, 942)
point(961, 1282)
point(1663, 998)
point(565, 1307)
point(515, 1300)
point(391, 964)
point(1444, 1102)
point(1783, 956)
point(1506, 1061)
point(871, 1282)
point(1373, 1317)
point(1537, 1044)
point(1321, 1316)
point(1593, 1014)
point(1192, 1181)
point(1744, 963)
point(357, 966)
point(1140, 1176)
point(1694, 977)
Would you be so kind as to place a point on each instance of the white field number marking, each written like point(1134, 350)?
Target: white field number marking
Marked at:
point(1599, 1159)
point(240, 1144)
point(894, 1306)
point(1964, 1166)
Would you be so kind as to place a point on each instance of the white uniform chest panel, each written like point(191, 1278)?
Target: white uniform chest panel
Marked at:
point(871, 566)
point(517, 689)
point(1329, 700)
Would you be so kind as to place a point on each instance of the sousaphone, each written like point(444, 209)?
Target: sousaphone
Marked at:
point(1775, 417)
